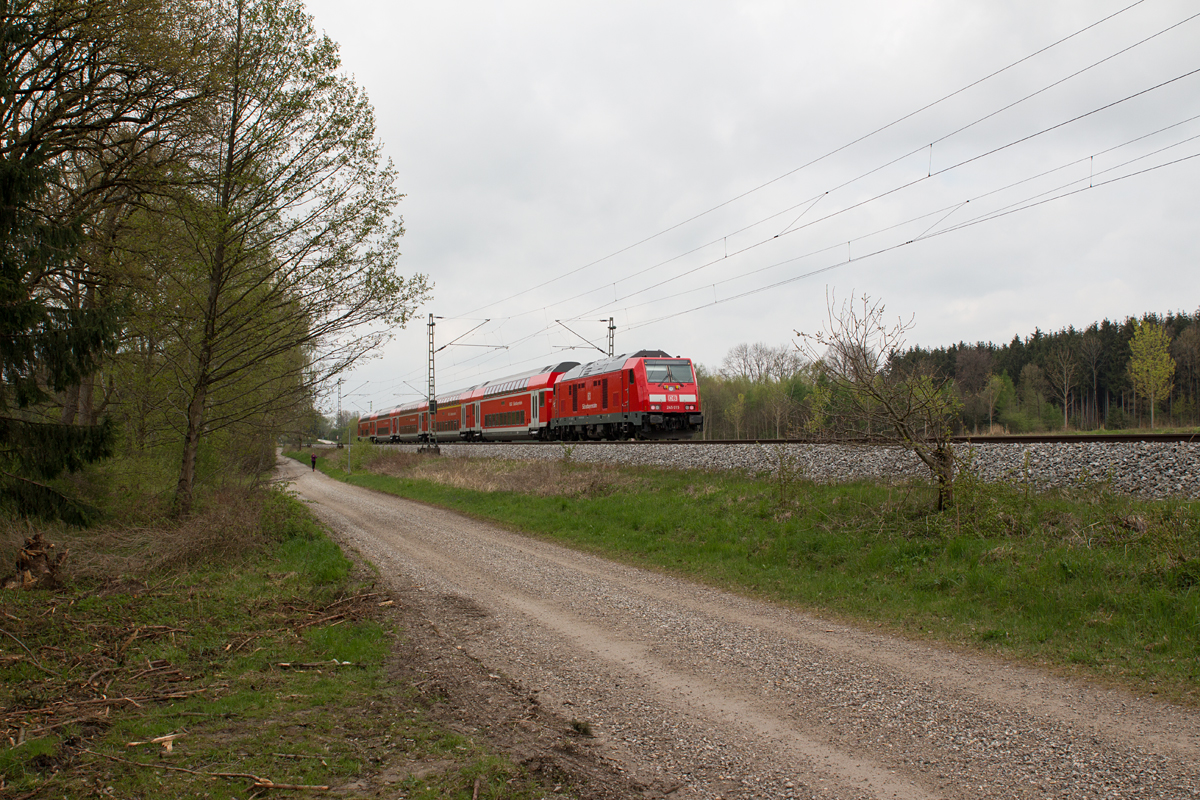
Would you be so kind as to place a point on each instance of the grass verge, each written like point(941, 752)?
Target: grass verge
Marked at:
point(1085, 580)
point(223, 657)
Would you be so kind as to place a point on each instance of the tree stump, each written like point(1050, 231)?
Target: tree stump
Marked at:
point(37, 565)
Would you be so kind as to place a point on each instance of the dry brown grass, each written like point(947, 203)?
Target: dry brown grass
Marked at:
point(229, 525)
point(543, 478)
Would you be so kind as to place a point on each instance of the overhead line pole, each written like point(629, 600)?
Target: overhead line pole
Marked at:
point(432, 412)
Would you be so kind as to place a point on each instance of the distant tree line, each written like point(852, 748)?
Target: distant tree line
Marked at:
point(1110, 375)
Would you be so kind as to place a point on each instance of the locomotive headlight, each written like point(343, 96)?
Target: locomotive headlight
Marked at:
point(655, 408)
point(690, 408)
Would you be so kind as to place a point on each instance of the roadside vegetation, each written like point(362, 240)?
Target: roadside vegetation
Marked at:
point(217, 657)
point(1083, 580)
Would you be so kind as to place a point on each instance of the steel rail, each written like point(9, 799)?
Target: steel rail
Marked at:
point(1060, 438)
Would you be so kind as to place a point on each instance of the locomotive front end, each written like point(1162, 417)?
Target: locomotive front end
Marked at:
point(672, 399)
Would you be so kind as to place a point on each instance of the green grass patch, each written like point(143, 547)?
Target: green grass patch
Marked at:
point(263, 660)
point(1083, 579)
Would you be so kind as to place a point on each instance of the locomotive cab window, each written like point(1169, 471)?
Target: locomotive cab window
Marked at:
point(664, 371)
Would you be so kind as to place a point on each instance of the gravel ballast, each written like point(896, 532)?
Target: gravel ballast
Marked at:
point(1149, 469)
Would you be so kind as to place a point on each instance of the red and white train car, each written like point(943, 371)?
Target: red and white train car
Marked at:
point(645, 395)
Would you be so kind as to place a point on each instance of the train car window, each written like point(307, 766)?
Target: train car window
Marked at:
point(663, 371)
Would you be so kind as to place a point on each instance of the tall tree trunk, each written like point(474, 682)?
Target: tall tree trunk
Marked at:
point(87, 388)
point(70, 405)
point(216, 280)
point(191, 446)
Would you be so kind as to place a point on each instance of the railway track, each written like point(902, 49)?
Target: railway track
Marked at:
point(1148, 464)
point(1070, 438)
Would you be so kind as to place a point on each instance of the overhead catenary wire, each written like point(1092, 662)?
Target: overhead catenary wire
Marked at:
point(945, 210)
point(821, 158)
point(899, 245)
point(1027, 203)
point(898, 159)
point(903, 186)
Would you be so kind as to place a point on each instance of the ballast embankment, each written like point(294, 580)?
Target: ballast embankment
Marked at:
point(1150, 469)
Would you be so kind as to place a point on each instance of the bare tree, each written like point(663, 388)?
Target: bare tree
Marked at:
point(1091, 352)
point(1060, 368)
point(1186, 351)
point(911, 407)
point(973, 367)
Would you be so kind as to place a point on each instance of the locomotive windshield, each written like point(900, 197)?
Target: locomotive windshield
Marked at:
point(663, 371)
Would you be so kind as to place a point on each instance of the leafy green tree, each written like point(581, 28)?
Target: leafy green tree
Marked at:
point(995, 392)
point(288, 252)
point(735, 414)
point(1151, 368)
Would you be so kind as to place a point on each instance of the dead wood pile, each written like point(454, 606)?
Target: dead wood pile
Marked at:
point(37, 565)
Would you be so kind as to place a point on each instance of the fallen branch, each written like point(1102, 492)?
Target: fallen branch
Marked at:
point(315, 664)
point(71, 705)
point(93, 718)
point(264, 783)
point(148, 631)
point(319, 621)
point(98, 673)
point(229, 648)
point(32, 657)
point(353, 598)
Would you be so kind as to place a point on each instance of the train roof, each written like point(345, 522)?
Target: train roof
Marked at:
point(524, 380)
point(510, 383)
point(611, 364)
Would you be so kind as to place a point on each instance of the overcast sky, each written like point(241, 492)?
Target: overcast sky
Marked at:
point(706, 173)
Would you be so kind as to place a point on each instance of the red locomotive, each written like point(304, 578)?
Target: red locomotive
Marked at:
point(647, 395)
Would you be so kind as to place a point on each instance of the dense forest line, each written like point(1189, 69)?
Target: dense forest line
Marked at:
point(1071, 379)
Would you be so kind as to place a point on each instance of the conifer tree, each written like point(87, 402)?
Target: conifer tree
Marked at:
point(44, 347)
point(86, 89)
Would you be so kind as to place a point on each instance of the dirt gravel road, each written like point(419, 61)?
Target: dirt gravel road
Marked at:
point(691, 692)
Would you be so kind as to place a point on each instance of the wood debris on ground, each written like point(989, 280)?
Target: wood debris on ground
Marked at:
point(37, 565)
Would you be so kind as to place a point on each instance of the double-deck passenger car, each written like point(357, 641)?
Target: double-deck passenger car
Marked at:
point(644, 395)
